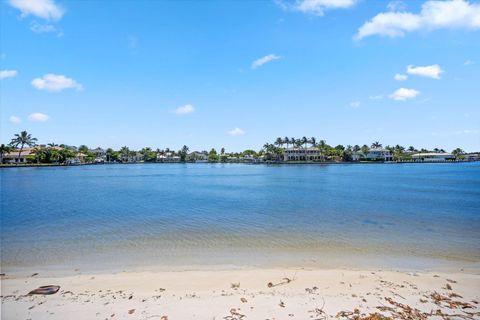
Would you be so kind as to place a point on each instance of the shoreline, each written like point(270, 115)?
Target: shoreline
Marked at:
point(229, 163)
point(279, 293)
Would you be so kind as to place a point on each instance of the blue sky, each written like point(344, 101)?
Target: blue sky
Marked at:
point(236, 74)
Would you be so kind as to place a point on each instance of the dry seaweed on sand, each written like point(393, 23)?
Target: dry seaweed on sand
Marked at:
point(234, 315)
point(355, 315)
point(319, 313)
point(446, 301)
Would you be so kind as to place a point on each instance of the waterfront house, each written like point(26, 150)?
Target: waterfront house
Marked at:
point(302, 154)
point(100, 154)
point(168, 157)
point(375, 154)
point(197, 156)
point(433, 157)
point(80, 157)
point(472, 156)
point(133, 157)
point(249, 159)
point(357, 156)
point(14, 157)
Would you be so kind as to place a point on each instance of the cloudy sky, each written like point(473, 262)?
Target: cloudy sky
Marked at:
point(236, 74)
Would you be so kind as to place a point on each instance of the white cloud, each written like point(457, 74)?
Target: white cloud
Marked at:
point(377, 97)
point(4, 74)
point(43, 28)
point(15, 119)
point(38, 117)
point(317, 7)
point(468, 62)
point(186, 109)
point(45, 9)
point(432, 71)
point(260, 62)
point(355, 104)
point(435, 14)
point(55, 82)
point(236, 132)
point(396, 5)
point(467, 131)
point(404, 94)
point(400, 77)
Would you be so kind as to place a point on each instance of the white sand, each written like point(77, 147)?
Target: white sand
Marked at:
point(313, 294)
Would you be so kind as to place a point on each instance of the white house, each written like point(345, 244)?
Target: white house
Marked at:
point(14, 157)
point(378, 154)
point(134, 157)
point(433, 157)
point(249, 158)
point(302, 154)
point(100, 154)
point(167, 157)
point(472, 156)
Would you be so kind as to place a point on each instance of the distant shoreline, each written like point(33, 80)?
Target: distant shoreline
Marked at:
point(228, 163)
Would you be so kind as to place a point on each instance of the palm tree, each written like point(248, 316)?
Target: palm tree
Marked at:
point(54, 154)
point(40, 154)
point(125, 152)
point(4, 149)
point(279, 142)
point(304, 142)
point(365, 150)
point(389, 148)
point(66, 154)
point(376, 144)
point(313, 141)
point(458, 152)
point(183, 153)
point(109, 153)
point(399, 148)
point(322, 146)
point(293, 142)
point(22, 139)
point(411, 149)
point(83, 149)
point(286, 141)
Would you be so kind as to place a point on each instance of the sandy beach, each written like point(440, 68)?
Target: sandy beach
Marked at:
point(245, 294)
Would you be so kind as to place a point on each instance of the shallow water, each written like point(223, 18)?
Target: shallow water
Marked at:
point(160, 215)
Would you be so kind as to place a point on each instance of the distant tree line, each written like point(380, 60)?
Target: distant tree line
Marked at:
point(54, 153)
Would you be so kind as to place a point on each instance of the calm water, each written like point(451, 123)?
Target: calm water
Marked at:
point(134, 216)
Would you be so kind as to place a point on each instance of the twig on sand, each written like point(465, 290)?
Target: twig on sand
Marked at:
point(284, 281)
